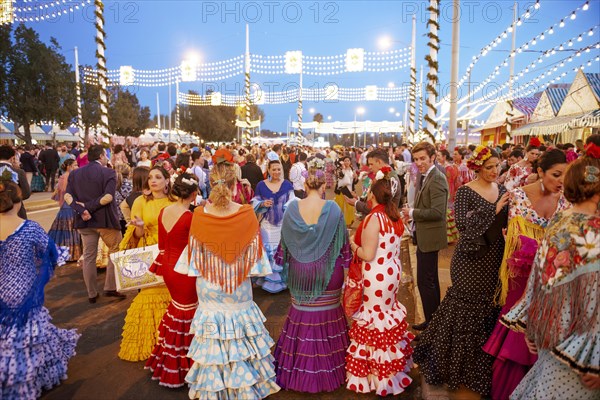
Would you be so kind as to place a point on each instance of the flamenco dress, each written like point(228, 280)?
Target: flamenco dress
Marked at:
point(231, 348)
point(169, 362)
point(62, 231)
point(310, 352)
point(380, 356)
point(270, 228)
point(140, 332)
point(34, 353)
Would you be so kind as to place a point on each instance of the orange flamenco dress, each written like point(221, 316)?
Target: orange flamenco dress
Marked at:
point(140, 332)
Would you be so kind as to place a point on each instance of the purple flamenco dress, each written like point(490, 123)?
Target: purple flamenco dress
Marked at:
point(310, 352)
point(34, 353)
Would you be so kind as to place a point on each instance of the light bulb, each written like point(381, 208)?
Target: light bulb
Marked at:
point(570, 43)
point(537, 5)
point(586, 6)
point(542, 37)
point(561, 48)
point(591, 32)
point(562, 24)
point(534, 42)
point(510, 29)
point(579, 38)
point(519, 22)
point(551, 31)
point(527, 14)
point(573, 16)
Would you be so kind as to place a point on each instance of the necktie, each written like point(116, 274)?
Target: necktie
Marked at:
point(421, 182)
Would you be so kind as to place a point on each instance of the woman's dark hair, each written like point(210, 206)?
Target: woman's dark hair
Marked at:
point(182, 189)
point(67, 163)
point(196, 155)
point(446, 154)
point(118, 148)
point(382, 191)
point(182, 159)
point(273, 162)
point(550, 158)
point(167, 177)
point(139, 178)
point(10, 194)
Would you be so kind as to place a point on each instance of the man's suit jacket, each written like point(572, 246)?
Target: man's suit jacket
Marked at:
point(429, 212)
point(88, 185)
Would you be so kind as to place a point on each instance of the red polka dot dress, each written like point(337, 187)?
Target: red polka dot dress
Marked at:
point(380, 356)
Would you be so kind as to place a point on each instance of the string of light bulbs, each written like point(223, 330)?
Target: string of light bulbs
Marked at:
point(45, 11)
point(560, 24)
point(547, 53)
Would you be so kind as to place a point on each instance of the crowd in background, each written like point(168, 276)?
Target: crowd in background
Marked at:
point(515, 318)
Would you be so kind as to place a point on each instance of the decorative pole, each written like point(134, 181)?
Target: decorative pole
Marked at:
point(432, 76)
point(78, 93)
point(454, 74)
point(413, 79)
point(177, 106)
point(101, 67)
point(247, 132)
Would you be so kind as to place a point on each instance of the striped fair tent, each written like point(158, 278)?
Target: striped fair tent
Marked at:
point(589, 120)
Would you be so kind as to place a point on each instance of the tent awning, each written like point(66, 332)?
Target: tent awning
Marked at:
point(589, 120)
point(549, 127)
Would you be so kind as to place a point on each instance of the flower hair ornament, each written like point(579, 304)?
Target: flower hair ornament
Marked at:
point(592, 150)
point(535, 142)
point(479, 157)
point(187, 181)
point(384, 173)
point(317, 164)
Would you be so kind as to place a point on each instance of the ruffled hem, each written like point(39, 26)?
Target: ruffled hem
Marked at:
point(211, 352)
point(580, 352)
point(140, 332)
point(310, 353)
point(451, 229)
point(273, 283)
point(450, 350)
point(35, 357)
point(64, 234)
point(168, 361)
point(388, 320)
point(508, 345)
point(382, 385)
point(228, 324)
point(258, 391)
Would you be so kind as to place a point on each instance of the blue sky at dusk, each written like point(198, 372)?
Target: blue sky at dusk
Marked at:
point(160, 34)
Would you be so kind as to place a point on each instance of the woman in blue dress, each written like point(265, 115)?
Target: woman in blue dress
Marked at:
point(270, 201)
point(33, 352)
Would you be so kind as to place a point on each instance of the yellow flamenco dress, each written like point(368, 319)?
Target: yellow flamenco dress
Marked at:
point(140, 332)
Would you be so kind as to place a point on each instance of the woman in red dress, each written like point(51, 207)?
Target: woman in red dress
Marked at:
point(169, 362)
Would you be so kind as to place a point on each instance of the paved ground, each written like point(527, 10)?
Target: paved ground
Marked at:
point(97, 373)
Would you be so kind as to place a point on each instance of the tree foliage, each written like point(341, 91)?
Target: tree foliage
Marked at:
point(39, 84)
point(125, 115)
point(215, 123)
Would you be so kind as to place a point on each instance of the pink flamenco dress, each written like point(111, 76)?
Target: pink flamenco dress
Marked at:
point(512, 357)
point(380, 356)
point(169, 362)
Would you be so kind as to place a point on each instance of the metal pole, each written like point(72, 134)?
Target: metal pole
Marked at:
point(454, 73)
point(78, 93)
point(158, 112)
point(101, 67)
point(468, 110)
point(177, 106)
point(169, 108)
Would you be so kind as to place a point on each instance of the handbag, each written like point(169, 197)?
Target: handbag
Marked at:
point(132, 268)
point(353, 287)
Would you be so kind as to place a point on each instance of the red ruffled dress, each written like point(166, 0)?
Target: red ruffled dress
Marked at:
point(380, 356)
point(169, 362)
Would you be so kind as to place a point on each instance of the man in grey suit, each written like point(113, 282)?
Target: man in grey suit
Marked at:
point(90, 192)
point(429, 217)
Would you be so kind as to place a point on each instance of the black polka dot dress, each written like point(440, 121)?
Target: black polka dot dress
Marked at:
point(450, 349)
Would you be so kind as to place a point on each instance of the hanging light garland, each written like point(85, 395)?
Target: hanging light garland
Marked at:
point(44, 11)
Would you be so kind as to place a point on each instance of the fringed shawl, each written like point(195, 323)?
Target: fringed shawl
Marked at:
point(517, 226)
point(225, 248)
point(318, 246)
point(565, 282)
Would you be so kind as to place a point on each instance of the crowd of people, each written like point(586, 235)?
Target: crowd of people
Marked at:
point(520, 319)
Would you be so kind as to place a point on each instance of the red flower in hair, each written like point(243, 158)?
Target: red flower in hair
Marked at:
point(535, 142)
point(592, 150)
point(386, 169)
